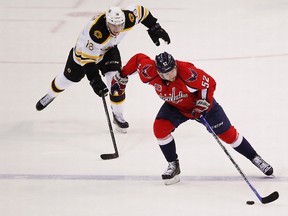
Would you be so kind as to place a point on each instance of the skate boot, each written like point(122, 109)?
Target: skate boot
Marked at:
point(44, 102)
point(171, 175)
point(120, 123)
point(266, 168)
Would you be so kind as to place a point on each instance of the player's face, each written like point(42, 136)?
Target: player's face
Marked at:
point(115, 29)
point(171, 75)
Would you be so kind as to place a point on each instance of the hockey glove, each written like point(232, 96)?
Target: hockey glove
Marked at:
point(99, 87)
point(156, 32)
point(118, 84)
point(201, 106)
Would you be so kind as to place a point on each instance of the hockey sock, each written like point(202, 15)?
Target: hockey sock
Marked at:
point(169, 151)
point(59, 84)
point(246, 149)
point(117, 102)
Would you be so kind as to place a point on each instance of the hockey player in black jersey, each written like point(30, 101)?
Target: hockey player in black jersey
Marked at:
point(96, 51)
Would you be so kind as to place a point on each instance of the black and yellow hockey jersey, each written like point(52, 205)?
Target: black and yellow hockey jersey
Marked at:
point(95, 39)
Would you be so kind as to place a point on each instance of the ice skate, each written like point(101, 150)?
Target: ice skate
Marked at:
point(44, 102)
point(120, 123)
point(171, 175)
point(266, 168)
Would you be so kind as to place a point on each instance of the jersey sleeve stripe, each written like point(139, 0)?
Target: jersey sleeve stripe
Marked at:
point(204, 93)
point(191, 89)
point(139, 13)
point(146, 13)
point(142, 13)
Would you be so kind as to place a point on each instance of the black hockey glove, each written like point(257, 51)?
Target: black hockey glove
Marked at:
point(99, 87)
point(118, 84)
point(156, 32)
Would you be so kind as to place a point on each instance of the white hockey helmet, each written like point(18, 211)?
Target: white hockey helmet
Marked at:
point(115, 16)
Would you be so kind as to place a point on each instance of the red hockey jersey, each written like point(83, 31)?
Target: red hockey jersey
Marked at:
point(190, 85)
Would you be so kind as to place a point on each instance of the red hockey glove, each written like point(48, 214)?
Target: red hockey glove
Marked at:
point(118, 84)
point(201, 106)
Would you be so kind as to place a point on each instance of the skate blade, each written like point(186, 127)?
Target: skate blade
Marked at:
point(120, 130)
point(173, 180)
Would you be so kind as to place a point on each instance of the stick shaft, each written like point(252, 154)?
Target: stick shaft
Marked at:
point(110, 126)
point(230, 157)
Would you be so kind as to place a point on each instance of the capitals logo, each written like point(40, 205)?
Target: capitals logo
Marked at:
point(144, 71)
point(193, 77)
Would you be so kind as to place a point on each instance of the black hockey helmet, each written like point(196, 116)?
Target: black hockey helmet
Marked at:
point(164, 62)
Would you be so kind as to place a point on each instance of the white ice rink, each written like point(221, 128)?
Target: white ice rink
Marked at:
point(49, 160)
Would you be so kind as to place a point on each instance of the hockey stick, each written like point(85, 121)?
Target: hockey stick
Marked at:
point(270, 198)
point(115, 154)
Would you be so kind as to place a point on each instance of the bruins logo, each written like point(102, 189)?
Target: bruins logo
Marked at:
point(98, 34)
point(131, 17)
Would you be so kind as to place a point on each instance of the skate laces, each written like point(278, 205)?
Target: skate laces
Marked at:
point(172, 166)
point(263, 165)
point(46, 100)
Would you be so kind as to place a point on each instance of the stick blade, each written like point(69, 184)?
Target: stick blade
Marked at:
point(109, 156)
point(270, 198)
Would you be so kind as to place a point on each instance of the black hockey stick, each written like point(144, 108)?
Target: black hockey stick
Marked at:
point(115, 154)
point(270, 198)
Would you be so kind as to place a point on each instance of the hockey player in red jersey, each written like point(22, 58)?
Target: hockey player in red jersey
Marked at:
point(96, 50)
point(188, 94)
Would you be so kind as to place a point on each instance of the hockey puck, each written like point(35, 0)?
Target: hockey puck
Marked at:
point(250, 202)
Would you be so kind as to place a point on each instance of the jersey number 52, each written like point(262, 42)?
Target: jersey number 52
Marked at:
point(205, 81)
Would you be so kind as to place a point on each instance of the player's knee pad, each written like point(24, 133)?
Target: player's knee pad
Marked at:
point(162, 128)
point(229, 136)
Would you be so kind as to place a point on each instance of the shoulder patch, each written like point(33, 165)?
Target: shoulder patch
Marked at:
point(146, 74)
point(98, 34)
point(144, 71)
point(98, 31)
point(193, 75)
point(130, 19)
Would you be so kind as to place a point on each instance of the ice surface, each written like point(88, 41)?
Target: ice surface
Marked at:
point(50, 161)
